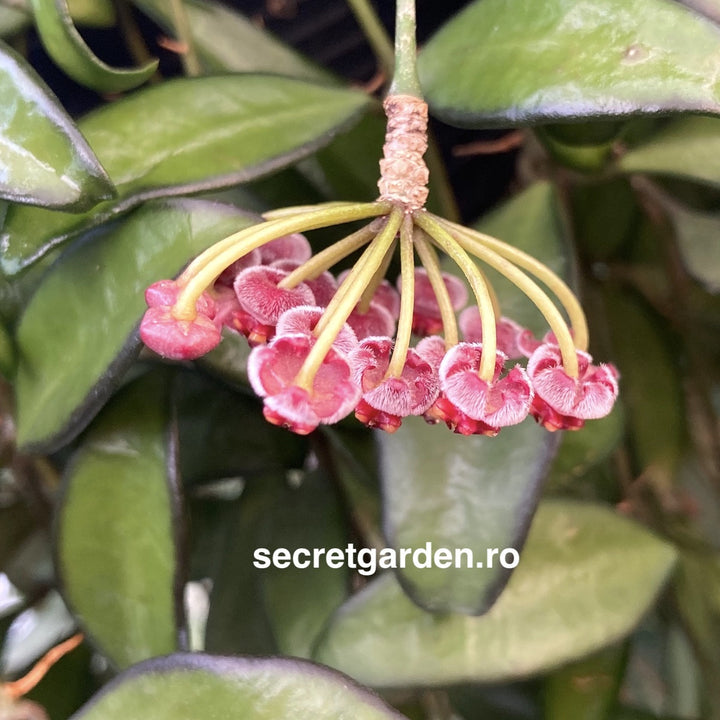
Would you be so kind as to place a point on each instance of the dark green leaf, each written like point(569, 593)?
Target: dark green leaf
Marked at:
point(189, 135)
point(212, 418)
point(68, 369)
point(16, 522)
point(249, 608)
point(186, 687)
point(224, 538)
point(581, 450)
point(605, 216)
point(451, 491)
point(299, 601)
point(227, 41)
point(586, 577)
point(117, 533)
point(45, 160)
point(587, 689)
point(696, 234)
point(530, 62)
point(687, 147)
point(645, 357)
point(66, 47)
point(7, 353)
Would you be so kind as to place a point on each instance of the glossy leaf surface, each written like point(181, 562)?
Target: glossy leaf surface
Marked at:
point(227, 41)
point(687, 148)
point(44, 159)
point(66, 47)
point(460, 492)
point(68, 369)
point(185, 687)
point(116, 531)
point(586, 577)
point(530, 62)
point(188, 135)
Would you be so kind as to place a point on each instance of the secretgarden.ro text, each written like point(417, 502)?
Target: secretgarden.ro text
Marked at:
point(368, 560)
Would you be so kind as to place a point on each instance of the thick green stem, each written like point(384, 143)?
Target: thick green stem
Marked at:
point(375, 33)
point(407, 299)
point(405, 80)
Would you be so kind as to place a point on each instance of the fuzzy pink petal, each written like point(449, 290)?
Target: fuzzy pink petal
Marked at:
point(304, 318)
point(272, 370)
point(591, 395)
point(410, 394)
point(258, 294)
point(323, 286)
point(289, 247)
point(432, 350)
point(507, 331)
point(291, 408)
point(178, 339)
point(504, 401)
point(376, 321)
point(385, 295)
point(165, 293)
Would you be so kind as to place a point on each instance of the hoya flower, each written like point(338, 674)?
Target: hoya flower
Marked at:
point(273, 372)
point(389, 397)
point(328, 344)
point(563, 402)
point(263, 301)
point(508, 332)
point(468, 398)
point(178, 338)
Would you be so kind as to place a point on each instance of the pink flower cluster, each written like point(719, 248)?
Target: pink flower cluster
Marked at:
point(436, 382)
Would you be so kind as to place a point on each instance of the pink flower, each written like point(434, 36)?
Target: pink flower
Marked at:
point(304, 318)
point(432, 350)
point(272, 370)
point(228, 275)
point(503, 401)
point(262, 302)
point(426, 317)
point(165, 293)
point(178, 339)
point(376, 322)
point(323, 286)
point(386, 400)
point(293, 247)
point(562, 402)
point(507, 332)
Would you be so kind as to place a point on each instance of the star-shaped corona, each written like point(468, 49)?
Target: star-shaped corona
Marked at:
point(326, 345)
